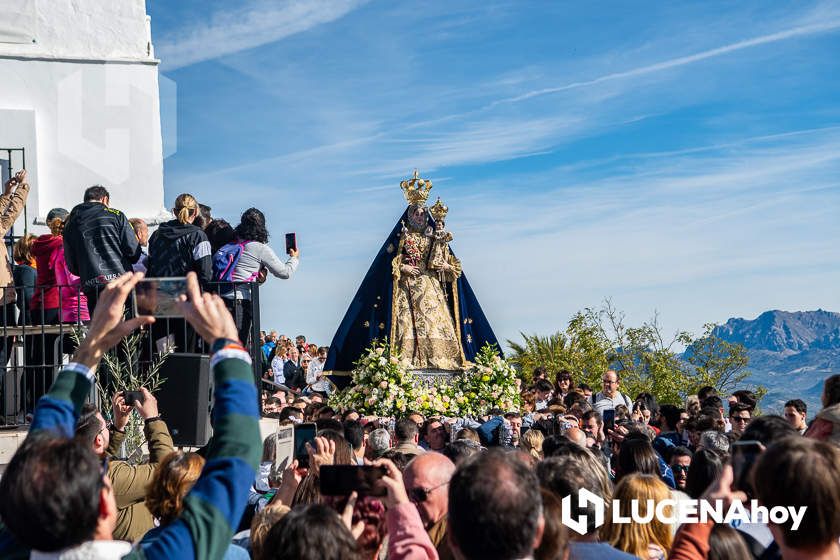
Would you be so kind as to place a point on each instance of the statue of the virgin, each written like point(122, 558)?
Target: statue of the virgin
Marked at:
point(416, 296)
point(423, 329)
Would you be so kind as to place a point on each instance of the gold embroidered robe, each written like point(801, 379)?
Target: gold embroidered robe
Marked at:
point(424, 330)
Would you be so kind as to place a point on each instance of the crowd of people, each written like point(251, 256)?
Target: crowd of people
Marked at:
point(294, 365)
point(496, 487)
point(502, 486)
point(644, 451)
point(57, 276)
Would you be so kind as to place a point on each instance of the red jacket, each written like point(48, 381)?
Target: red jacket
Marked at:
point(46, 250)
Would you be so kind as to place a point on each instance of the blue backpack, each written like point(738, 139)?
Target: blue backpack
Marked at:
point(226, 259)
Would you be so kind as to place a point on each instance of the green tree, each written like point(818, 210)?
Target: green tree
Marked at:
point(581, 349)
point(538, 351)
point(645, 358)
point(717, 362)
point(597, 339)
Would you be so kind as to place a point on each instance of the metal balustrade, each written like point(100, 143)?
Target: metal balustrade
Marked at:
point(34, 344)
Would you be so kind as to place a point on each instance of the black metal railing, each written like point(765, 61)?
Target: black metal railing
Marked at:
point(36, 340)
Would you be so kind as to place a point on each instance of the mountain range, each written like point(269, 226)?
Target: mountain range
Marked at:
point(791, 353)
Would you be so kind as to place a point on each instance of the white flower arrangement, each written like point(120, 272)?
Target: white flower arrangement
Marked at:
point(382, 387)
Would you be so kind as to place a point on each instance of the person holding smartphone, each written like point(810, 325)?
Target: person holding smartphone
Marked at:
point(255, 254)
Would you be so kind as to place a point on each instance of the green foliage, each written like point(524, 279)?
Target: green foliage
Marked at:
point(718, 363)
point(383, 387)
point(582, 348)
point(598, 339)
point(539, 351)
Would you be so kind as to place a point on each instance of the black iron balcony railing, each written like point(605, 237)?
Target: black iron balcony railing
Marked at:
point(35, 341)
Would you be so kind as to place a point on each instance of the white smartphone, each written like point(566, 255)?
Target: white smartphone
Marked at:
point(284, 447)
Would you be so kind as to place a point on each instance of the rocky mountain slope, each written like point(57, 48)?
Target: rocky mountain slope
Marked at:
point(791, 353)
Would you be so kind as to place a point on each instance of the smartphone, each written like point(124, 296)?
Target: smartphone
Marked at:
point(159, 296)
point(132, 397)
point(284, 447)
point(743, 456)
point(609, 420)
point(304, 433)
point(291, 242)
point(342, 480)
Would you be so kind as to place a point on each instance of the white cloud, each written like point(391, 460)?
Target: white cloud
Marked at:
point(245, 27)
point(702, 233)
point(783, 35)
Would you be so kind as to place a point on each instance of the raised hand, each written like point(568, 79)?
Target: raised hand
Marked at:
point(121, 411)
point(206, 313)
point(393, 481)
point(149, 407)
point(323, 453)
point(108, 325)
point(347, 517)
point(292, 477)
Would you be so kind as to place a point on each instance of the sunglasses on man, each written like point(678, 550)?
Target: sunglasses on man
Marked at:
point(419, 495)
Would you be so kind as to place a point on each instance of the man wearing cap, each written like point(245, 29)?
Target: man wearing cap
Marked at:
point(99, 243)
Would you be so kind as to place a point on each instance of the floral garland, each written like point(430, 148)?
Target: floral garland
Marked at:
point(382, 387)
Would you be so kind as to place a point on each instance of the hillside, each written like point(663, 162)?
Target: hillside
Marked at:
point(791, 353)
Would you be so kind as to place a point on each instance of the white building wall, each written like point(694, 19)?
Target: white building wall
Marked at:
point(94, 29)
point(83, 100)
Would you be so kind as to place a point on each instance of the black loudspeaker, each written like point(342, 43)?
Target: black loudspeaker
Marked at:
point(185, 398)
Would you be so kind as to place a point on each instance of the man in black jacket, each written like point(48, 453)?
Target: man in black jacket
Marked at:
point(99, 243)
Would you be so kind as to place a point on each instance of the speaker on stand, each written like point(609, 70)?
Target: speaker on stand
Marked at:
point(185, 398)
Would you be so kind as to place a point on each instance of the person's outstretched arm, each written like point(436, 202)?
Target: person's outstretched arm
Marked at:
point(58, 410)
point(269, 259)
point(214, 506)
point(12, 203)
point(407, 539)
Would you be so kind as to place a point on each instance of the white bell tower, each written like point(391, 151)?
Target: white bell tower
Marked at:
point(80, 96)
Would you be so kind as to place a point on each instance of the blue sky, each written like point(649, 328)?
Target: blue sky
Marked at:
point(681, 159)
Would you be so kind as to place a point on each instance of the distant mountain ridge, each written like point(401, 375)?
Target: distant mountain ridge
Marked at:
point(791, 353)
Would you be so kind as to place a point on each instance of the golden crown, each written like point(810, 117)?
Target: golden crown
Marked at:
point(439, 210)
point(416, 190)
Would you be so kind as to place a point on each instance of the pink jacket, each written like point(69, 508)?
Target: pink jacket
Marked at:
point(407, 539)
point(73, 302)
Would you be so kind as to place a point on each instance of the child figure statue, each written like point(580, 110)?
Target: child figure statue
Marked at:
point(441, 259)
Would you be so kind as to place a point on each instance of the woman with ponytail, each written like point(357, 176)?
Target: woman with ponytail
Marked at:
point(176, 248)
point(179, 246)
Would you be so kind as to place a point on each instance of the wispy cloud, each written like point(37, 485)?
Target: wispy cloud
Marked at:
point(799, 31)
point(245, 27)
point(688, 163)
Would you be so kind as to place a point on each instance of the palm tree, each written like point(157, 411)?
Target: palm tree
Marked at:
point(550, 352)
